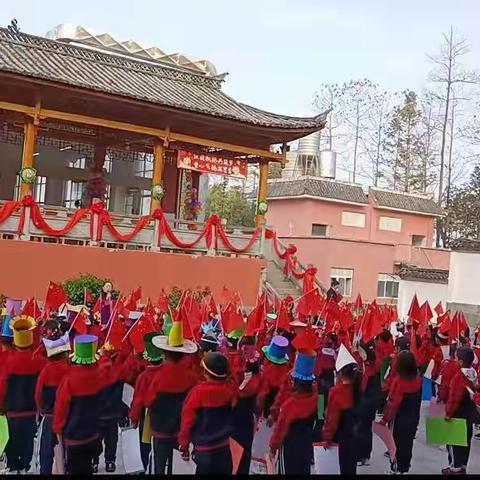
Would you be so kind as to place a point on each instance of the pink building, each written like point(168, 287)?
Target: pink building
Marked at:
point(361, 239)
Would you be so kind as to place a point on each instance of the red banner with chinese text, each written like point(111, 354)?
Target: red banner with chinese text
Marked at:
point(207, 163)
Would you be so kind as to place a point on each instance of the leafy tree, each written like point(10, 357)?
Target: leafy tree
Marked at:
point(75, 287)
point(274, 170)
point(230, 204)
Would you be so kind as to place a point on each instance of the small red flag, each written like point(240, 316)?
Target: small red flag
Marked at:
point(138, 331)
point(56, 296)
point(414, 310)
point(97, 308)
point(358, 302)
point(137, 294)
point(225, 296)
point(88, 296)
point(439, 309)
point(162, 302)
point(79, 323)
point(115, 333)
point(212, 306)
point(232, 318)
point(306, 340)
point(283, 320)
point(31, 308)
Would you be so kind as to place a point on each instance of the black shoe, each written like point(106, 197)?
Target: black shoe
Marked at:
point(477, 436)
point(110, 467)
point(95, 468)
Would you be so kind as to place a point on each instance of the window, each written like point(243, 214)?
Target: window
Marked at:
point(353, 219)
point(390, 224)
point(108, 163)
point(344, 276)
point(387, 286)
point(144, 165)
point(319, 230)
point(418, 240)
point(80, 162)
point(137, 202)
point(73, 192)
point(39, 189)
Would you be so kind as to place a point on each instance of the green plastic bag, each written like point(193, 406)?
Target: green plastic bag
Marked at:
point(321, 406)
point(441, 432)
point(4, 436)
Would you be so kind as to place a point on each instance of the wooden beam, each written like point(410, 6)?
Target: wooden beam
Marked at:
point(30, 131)
point(262, 189)
point(158, 133)
point(157, 176)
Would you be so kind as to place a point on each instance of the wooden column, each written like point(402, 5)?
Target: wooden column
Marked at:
point(30, 133)
point(262, 189)
point(158, 163)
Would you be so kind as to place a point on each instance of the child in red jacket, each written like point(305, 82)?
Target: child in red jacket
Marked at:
point(460, 405)
point(403, 409)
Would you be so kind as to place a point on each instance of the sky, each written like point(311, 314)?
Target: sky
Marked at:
point(277, 52)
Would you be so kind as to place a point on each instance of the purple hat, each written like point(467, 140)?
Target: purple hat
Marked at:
point(276, 352)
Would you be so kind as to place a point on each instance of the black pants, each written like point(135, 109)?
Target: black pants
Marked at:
point(109, 437)
point(295, 461)
point(19, 449)
point(218, 461)
point(347, 457)
point(80, 457)
point(458, 456)
point(404, 437)
point(48, 440)
point(163, 455)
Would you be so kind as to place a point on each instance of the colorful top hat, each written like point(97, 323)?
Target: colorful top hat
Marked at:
point(303, 368)
point(57, 345)
point(237, 333)
point(7, 331)
point(209, 342)
point(23, 327)
point(175, 342)
point(85, 350)
point(276, 352)
point(216, 364)
point(152, 353)
point(271, 316)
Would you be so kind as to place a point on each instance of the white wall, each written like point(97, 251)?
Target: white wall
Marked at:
point(433, 292)
point(52, 163)
point(463, 283)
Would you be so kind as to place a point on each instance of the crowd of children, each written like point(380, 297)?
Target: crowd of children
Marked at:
point(194, 397)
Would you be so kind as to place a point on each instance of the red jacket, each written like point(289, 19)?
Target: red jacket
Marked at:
point(207, 416)
point(272, 376)
point(48, 381)
point(384, 349)
point(139, 401)
point(398, 389)
point(134, 366)
point(286, 390)
point(18, 380)
point(448, 370)
point(297, 407)
point(457, 393)
point(77, 404)
point(436, 355)
point(340, 397)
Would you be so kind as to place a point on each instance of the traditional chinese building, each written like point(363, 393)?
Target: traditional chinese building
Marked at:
point(87, 119)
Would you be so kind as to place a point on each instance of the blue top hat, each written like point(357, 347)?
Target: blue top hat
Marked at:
point(304, 366)
point(6, 328)
point(276, 352)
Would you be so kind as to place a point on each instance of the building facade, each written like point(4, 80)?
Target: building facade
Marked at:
point(362, 239)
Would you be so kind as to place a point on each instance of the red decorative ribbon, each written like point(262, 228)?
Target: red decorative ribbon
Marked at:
point(226, 242)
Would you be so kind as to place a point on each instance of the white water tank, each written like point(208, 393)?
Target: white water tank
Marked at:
point(291, 165)
point(328, 164)
point(309, 145)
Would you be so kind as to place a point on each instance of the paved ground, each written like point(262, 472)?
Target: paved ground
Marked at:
point(426, 458)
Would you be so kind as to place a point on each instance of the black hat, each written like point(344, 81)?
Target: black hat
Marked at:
point(216, 364)
point(466, 355)
point(402, 343)
point(209, 342)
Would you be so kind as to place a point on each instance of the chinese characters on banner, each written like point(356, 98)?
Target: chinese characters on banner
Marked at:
point(206, 163)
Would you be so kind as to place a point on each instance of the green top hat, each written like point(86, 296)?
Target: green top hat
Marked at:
point(85, 350)
point(151, 352)
point(237, 333)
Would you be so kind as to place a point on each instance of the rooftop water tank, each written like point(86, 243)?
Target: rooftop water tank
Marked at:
point(328, 163)
point(309, 145)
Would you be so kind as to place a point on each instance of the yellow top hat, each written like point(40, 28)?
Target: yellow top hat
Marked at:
point(23, 327)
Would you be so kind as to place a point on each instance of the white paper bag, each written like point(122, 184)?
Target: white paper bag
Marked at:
point(326, 460)
point(261, 440)
point(429, 370)
point(181, 467)
point(127, 395)
point(132, 460)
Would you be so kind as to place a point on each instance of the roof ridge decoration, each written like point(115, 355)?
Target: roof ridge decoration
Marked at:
point(402, 201)
point(427, 196)
point(413, 272)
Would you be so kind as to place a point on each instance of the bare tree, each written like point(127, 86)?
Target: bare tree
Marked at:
point(448, 72)
point(328, 98)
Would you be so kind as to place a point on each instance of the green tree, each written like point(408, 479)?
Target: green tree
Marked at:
point(75, 287)
point(230, 204)
point(274, 170)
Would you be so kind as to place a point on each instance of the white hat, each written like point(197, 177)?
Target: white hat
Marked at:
point(299, 323)
point(344, 358)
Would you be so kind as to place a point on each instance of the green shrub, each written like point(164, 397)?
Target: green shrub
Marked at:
point(75, 287)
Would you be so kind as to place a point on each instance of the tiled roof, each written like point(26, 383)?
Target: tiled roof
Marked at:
point(148, 81)
point(317, 187)
point(405, 201)
point(465, 245)
point(410, 272)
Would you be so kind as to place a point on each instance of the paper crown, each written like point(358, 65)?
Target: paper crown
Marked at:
point(23, 327)
point(151, 353)
point(7, 331)
point(344, 358)
point(174, 342)
point(276, 352)
point(85, 350)
point(59, 345)
point(304, 366)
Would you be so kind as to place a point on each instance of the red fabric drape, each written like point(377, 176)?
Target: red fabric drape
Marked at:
point(8, 208)
point(41, 224)
point(105, 219)
point(165, 230)
point(221, 233)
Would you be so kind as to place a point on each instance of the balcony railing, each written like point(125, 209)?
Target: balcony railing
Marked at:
point(146, 239)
